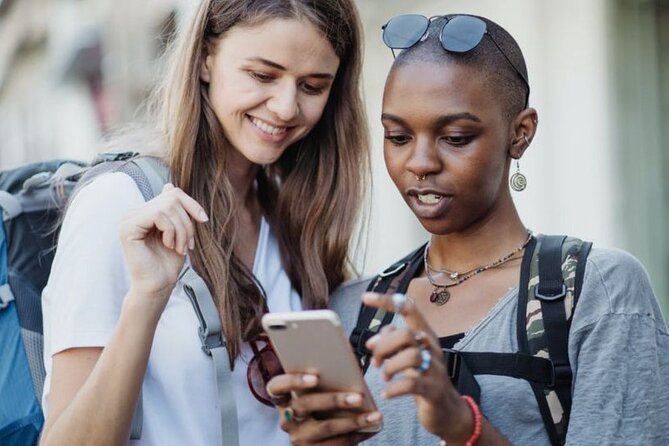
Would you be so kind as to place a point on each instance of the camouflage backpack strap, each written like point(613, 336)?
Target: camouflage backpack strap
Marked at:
point(551, 280)
point(395, 279)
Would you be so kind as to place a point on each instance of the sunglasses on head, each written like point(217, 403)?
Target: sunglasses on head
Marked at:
point(458, 34)
point(263, 366)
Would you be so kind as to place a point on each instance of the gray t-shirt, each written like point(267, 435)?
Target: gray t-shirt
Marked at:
point(618, 349)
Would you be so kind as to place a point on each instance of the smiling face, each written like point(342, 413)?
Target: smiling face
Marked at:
point(442, 123)
point(269, 84)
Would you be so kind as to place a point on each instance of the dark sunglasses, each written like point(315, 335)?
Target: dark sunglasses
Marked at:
point(459, 34)
point(263, 366)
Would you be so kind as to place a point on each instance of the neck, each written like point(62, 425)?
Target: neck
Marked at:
point(478, 244)
point(242, 174)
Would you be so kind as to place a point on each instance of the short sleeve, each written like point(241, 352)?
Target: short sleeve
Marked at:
point(619, 350)
point(88, 281)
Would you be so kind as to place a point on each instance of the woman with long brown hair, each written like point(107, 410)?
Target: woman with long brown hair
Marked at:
point(263, 129)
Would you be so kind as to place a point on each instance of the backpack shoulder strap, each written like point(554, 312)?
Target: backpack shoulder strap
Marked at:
point(150, 174)
point(394, 279)
point(551, 279)
point(215, 345)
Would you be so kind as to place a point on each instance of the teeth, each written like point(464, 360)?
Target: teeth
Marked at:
point(269, 129)
point(429, 198)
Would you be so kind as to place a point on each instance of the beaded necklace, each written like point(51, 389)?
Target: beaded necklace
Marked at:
point(440, 293)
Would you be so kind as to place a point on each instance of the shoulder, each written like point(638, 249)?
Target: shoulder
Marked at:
point(105, 197)
point(616, 282)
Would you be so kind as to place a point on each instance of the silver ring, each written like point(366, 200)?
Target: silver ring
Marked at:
point(425, 360)
point(399, 301)
point(419, 337)
point(527, 141)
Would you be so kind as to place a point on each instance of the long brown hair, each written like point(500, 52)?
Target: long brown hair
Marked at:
point(311, 195)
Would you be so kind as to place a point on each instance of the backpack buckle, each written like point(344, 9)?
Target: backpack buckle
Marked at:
point(452, 360)
point(210, 341)
point(6, 296)
point(392, 271)
point(550, 297)
point(560, 373)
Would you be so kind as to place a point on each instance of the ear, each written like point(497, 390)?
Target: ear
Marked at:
point(206, 64)
point(524, 128)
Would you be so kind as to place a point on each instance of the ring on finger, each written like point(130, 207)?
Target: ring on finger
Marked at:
point(399, 301)
point(425, 360)
point(278, 400)
point(420, 336)
point(290, 415)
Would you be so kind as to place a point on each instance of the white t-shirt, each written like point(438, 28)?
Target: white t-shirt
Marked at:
point(82, 303)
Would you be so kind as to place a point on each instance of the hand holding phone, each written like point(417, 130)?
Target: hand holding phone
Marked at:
point(313, 342)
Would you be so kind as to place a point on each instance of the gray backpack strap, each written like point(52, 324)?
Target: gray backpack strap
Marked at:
point(10, 205)
point(150, 175)
point(155, 171)
point(214, 345)
point(137, 419)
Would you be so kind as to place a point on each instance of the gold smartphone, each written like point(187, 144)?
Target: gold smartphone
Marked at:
point(313, 341)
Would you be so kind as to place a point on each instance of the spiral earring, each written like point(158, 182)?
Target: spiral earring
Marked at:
point(518, 181)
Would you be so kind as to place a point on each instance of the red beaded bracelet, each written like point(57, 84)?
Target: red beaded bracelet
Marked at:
point(476, 412)
point(478, 419)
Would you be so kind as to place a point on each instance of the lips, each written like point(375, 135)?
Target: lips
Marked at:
point(267, 127)
point(428, 203)
point(269, 132)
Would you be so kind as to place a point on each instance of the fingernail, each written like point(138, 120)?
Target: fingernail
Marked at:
point(309, 379)
point(353, 398)
point(373, 417)
point(371, 297)
point(191, 244)
point(203, 216)
point(372, 341)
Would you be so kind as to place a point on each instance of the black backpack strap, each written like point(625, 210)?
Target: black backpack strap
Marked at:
point(394, 279)
point(551, 278)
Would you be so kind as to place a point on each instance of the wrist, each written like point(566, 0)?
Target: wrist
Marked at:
point(148, 306)
point(467, 425)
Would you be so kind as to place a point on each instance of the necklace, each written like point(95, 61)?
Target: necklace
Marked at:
point(440, 293)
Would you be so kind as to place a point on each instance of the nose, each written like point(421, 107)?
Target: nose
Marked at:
point(284, 102)
point(424, 158)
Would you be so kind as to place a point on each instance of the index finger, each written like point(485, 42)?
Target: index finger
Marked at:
point(192, 207)
point(287, 383)
point(401, 304)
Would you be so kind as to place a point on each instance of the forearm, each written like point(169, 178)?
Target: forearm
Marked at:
point(101, 411)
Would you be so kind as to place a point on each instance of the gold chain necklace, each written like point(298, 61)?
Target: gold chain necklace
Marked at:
point(440, 293)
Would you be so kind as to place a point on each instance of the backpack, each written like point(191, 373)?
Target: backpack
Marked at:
point(32, 199)
point(551, 278)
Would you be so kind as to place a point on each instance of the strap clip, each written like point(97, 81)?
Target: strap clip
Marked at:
point(6, 296)
point(561, 373)
point(550, 297)
point(452, 360)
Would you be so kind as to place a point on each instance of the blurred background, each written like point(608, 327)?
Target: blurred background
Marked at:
point(70, 70)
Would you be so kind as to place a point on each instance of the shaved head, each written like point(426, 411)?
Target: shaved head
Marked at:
point(506, 85)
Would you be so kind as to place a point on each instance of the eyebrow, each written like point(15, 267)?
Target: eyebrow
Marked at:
point(277, 66)
point(441, 121)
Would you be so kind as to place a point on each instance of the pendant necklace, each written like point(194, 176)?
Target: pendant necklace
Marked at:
point(440, 294)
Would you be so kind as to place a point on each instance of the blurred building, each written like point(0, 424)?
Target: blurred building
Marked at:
point(599, 70)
